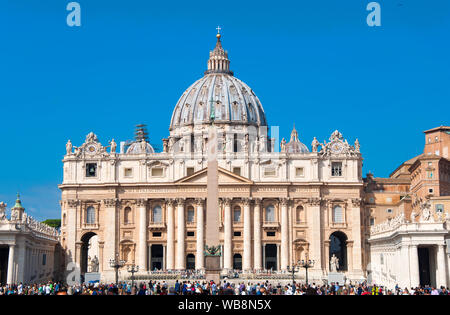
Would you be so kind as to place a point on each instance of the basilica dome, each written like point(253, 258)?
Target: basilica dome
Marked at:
point(218, 97)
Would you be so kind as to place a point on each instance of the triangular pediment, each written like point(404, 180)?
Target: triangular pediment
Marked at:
point(225, 177)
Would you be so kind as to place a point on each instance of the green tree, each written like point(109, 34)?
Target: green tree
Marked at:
point(56, 223)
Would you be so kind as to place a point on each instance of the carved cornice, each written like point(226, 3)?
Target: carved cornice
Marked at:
point(226, 202)
point(110, 203)
point(246, 201)
point(258, 201)
point(357, 202)
point(284, 201)
point(314, 201)
point(199, 201)
point(180, 201)
point(141, 202)
point(170, 202)
point(72, 203)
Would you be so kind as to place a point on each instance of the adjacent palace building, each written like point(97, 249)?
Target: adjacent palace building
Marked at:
point(279, 201)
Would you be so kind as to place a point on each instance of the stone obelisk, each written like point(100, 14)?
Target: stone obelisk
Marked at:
point(212, 248)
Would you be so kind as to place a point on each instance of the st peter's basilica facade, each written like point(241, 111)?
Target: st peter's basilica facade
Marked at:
point(279, 201)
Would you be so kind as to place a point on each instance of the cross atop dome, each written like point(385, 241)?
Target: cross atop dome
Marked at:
point(218, 58)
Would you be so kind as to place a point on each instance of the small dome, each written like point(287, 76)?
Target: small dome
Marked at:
point(137, 148)
point(294, 145)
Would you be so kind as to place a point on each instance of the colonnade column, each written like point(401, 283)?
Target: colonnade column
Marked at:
point(441, 267)
point(284, 234)
point(227, 242)
point(170, 235)
point(142, 249)
point(200, 257)
point(247, 264)
point(414, 266)
point(181, 235)
point(11, 262)
point(257, 235)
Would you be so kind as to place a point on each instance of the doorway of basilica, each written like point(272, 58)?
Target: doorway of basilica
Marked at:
point(271, 258)
point(157, 257)
point(190, 262)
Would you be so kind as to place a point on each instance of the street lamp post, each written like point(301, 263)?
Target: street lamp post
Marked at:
point(293, 269)
point(116, 264)
point(306, 264)
point(133, 269)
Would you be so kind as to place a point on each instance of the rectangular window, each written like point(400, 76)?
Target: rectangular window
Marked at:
point(270, 234)
point(128, 172)
point(189, 171)
point(44, 259)
point(157, 172)
point(299, 172)
point(269, 172)
point(156, 234)
point(430, 191)
point(237, 215)
point(237, 170)
point(91, 170)
point(190, 215)
point(372, 221)
point(190, 233)
point(336, 169)
point(237, 233)
point(439, 208)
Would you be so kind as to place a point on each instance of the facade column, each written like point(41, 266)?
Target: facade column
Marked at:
point(110, 249)
point(350, 255)
point(278, 257)
point(11, 262)
point(101, 246)
point(247, 263)
point(170, 235)
point(71, 228)
point(228, 227)
point(327, 255)
point(441, 279)
point(181, 236)
point(142, 249)
point(284, 234)
point(263, 248)
point(200, 256)
point(356, 236)
point(414, 266)
point(257, 235)
point(315, 233)
point(164, 266)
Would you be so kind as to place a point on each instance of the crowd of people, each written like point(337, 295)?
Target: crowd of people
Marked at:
point(185, 287)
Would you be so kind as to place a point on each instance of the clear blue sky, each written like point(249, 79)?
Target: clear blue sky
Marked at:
point(313, 63)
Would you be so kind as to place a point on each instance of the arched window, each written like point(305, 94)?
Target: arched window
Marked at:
point(64, 219)
point(157, 214)
point(127, 215)
point(299, 214)
point(338, 214)
point(237, 214)
point(190, 215)
point(90, 215)
point(270, 214)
